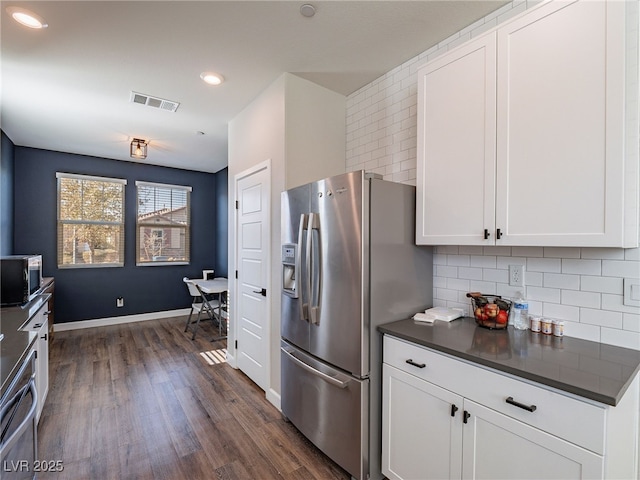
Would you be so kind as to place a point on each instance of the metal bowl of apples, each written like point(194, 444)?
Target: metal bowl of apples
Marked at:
point(490, 311)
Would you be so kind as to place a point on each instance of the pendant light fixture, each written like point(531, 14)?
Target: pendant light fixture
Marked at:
point(138, 148)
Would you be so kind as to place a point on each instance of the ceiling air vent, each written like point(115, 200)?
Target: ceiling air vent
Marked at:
point(155, 102)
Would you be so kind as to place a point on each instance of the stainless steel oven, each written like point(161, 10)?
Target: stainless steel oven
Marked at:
point(18, 434)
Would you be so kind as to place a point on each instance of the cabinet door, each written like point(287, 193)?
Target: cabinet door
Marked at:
point(456, 146)
point(42, 374)
point(498, 447)
point(420, 437)
point(560, 133)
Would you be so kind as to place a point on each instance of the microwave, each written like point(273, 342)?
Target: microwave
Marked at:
point(20, 278)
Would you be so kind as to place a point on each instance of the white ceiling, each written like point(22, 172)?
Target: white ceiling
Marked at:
point(66, 88)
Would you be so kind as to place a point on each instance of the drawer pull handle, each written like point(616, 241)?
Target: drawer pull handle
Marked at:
point(419, 365)
point(454, 409)
point(528, 408)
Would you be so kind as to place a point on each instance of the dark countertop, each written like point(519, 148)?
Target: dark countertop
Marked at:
point(16, 343)
point(593, 370)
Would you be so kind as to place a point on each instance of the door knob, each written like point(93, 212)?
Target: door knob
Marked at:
point(262, 292)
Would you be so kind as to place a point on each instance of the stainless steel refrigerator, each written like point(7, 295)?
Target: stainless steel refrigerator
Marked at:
point(349, 264)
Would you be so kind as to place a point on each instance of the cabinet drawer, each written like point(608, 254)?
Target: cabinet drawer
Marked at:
point(576, 421)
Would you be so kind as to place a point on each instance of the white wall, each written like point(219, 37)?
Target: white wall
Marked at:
point(582, 286)
point(256, 135)
point(299, 126)
point(315, 130)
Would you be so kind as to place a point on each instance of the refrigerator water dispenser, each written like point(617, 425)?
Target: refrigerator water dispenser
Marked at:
point(289, 269)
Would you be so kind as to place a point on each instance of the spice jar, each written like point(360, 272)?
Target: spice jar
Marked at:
point(558, 328)
point(534, 324)
point(546, 326)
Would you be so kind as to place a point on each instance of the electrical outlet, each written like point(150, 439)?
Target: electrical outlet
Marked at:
point(516, 275)
point(119, 302)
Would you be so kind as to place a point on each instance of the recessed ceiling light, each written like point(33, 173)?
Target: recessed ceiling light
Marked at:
point(212, 78)
point(307, 10)
point(26, 17)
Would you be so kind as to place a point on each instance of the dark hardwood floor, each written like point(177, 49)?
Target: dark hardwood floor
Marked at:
point(138, 401)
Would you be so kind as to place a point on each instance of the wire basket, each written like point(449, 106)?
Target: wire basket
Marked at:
point(490, 311)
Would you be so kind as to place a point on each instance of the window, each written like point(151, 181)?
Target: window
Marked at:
point(163, 225)
point(90, 221)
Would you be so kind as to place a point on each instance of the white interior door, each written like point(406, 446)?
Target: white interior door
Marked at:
point(252, 247)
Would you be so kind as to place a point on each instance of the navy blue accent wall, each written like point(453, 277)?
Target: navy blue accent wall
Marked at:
point(90, 293)
point(222, 223)
point(6, 194)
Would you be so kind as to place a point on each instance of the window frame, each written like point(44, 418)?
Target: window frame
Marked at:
point(158, 226)
point(60, 223)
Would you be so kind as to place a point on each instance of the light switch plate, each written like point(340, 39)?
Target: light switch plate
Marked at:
point(632, 292)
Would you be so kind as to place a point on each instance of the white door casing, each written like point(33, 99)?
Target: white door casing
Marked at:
point(252, 325)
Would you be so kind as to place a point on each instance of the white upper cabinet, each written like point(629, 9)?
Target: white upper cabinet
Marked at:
point(526, 135)
point(456, 145)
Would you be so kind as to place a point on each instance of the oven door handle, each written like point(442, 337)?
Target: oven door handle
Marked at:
point(10, 442)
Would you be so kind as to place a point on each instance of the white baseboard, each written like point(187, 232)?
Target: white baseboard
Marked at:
point(102, 322)
point(274, 398)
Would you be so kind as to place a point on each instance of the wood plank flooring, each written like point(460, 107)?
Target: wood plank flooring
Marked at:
point(138, 401)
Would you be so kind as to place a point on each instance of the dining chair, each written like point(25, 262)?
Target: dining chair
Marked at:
point(197, 305)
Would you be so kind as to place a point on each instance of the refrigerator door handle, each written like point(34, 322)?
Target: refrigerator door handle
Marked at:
point(327, 378)
point(313, 269)
point(303, 307)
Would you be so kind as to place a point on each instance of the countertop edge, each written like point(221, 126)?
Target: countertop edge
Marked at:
point(546, 381)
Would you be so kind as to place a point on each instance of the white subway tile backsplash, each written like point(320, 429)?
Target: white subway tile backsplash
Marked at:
point(504, 262)
point(482, 261)
point(534, 279)
point(631, 322)
point(527, 251)
point(446, 271)
point(493, 275)
point(446, 294)
point(470, 273)
point(482, 286)
point(632, 254)
point(553, 265)
point(615, 302)
point(603, 253)
point(621, 338)
point(458, 260)
point(439, 258)
point(601, 318)
point(590, 283)
point(616, 268)
point(458, 284)
point(566, 283)
point(561, 252)
point(439, 282)
point(470, 250)
point(448, 249)
point(563, 312)
point(560, 280)
point(580, 299)
point(584, 267)
point(496, 250)
point(544, 294)
point(583, 331)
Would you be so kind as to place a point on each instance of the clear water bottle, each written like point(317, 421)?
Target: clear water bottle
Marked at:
point(520, 312)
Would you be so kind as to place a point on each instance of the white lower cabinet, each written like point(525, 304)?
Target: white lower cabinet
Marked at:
point(443, 418)
point(415, 413)
point(497, 446)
